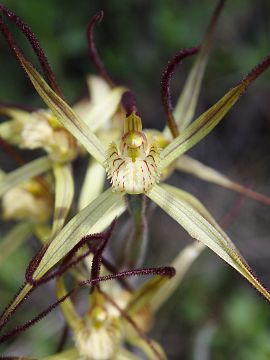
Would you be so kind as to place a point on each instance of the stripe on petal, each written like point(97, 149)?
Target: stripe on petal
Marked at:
point(199, 228)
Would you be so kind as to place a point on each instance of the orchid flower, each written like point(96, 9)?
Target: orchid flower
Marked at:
point(118, 313)
point(138, 163)
point(40, 129)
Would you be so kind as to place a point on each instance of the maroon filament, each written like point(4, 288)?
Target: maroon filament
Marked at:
point(93, 50)
point(30, 36)
point(165, 85)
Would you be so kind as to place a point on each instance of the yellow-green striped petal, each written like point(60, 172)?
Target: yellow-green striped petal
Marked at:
point(201, 229)
point(210, 118)
point(25, 172)
point(182, 264)
point(186, 104)
point(204, 172)
point(201, 127)
point(65, 115)
point(80, 225)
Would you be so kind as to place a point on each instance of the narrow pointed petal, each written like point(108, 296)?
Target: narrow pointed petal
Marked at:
point(93, 219)
point(201, 127)
point(64, 193)
point(115, 211)
point(146, 293)
point(201, 229)
point(186, 104)
point(25, 172)
point(182, 264)
point(210, 118)
point(97, 88)
point(70, 314)
point(80, 225)
point(19, 298)
point(14, 238)
point(63, 112)
point(93, 183)
point(102, 112)
point(157, 290)
point(204, 172)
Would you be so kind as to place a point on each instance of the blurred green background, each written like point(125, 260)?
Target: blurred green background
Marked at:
point(215, 314)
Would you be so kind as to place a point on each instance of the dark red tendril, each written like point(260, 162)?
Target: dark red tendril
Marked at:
point(176, 60)
point(162, 271)
point(165, 85)
point(257, 71)
point(27, 32)
point(128, 99)
point(93, 50)
point(212, 25)
point(97, 249)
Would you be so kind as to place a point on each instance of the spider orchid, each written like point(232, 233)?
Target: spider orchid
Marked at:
point(138, 163)
point(117, 314)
